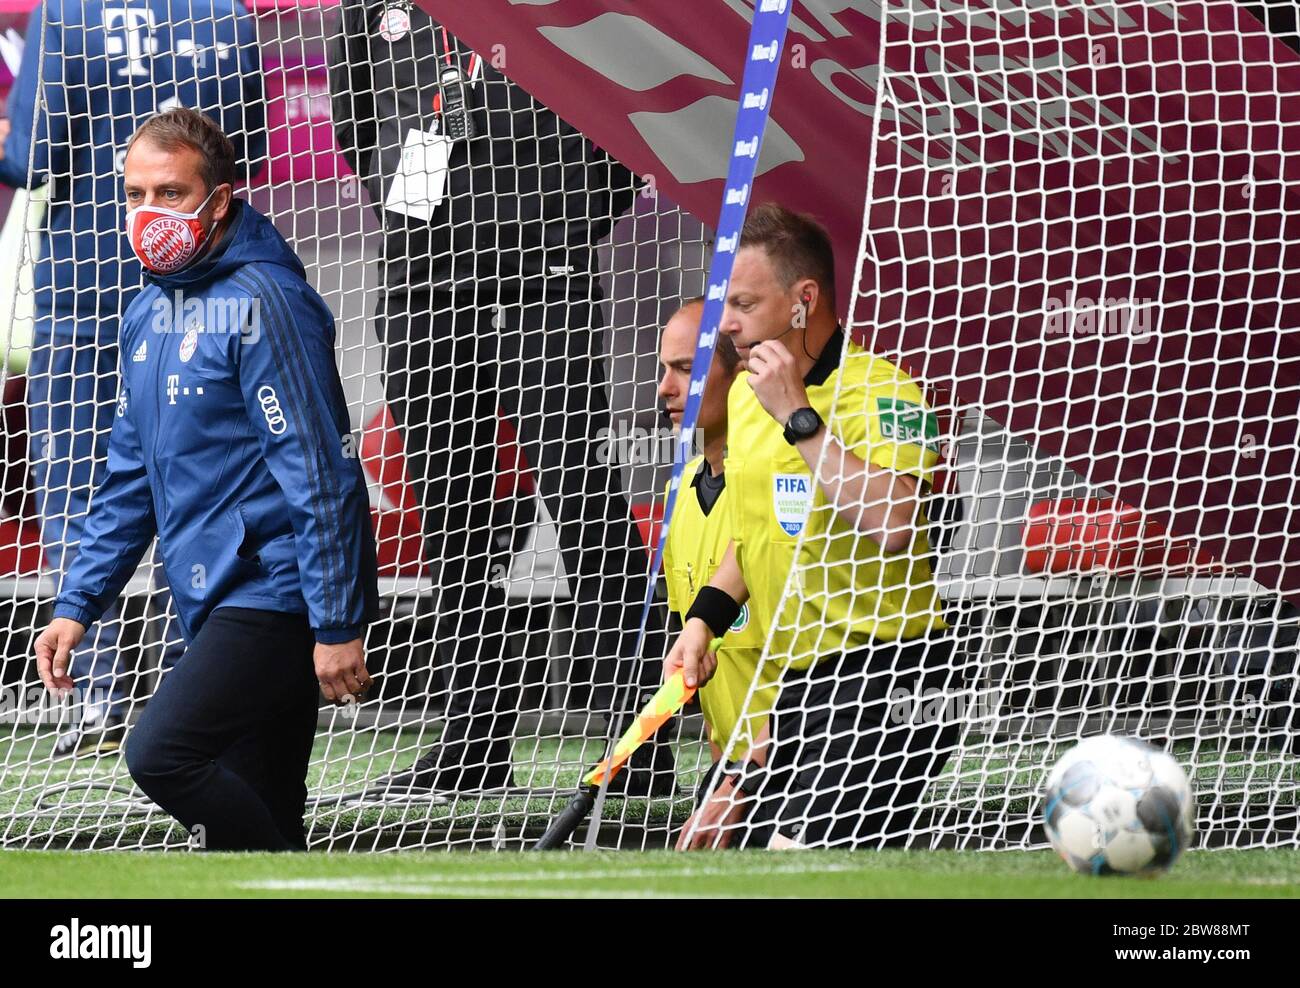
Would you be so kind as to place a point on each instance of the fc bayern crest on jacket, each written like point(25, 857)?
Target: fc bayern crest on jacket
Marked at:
point(189, 343)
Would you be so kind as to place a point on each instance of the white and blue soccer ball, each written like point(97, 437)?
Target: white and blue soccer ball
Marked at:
point(1119, 806)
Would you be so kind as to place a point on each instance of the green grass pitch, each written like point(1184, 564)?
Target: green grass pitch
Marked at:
point(34, 812)
point(1011, 786)
point(943, 874)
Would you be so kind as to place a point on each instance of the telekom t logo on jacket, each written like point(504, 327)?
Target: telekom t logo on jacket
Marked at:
point(129, 31)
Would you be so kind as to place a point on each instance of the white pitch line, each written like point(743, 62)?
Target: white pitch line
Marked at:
point(687, 870)
point(482, 883)
point(1271, 881)
point(455, 886)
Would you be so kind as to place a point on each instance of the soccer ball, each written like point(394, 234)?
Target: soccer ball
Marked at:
point(1118, 806)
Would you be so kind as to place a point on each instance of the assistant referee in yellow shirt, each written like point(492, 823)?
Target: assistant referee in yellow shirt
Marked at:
point(695, 544)
point(860, 634)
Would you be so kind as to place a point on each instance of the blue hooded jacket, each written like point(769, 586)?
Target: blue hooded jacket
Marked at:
point(95, 72)
point(231, 442)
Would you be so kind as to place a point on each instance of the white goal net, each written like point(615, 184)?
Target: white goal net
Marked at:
point(1078, 239)
point(1062, 200)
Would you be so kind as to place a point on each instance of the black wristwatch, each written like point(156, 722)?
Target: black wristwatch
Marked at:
point(803, 423)
point(744, 776)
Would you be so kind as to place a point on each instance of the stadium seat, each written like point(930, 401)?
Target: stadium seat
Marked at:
point(384, 460)
point(20, 533)
point(1121, 564)
point(396, 515)
point(649, 518)
point(1082, 536)
point(20, 548)
point(514, 475)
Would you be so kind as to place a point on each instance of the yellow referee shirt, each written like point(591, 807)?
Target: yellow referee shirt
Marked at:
point(845, 590)
point(696, 543)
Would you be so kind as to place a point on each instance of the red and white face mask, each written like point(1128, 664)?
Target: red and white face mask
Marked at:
point(164, 239)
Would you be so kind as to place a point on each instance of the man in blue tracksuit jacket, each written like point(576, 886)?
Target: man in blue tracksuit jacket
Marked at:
point(231, 442)
point(91, 73)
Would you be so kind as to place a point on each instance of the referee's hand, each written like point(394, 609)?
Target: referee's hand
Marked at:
point(775, 379)
point(54, 653)
point(690, 653)
point(712, 825)
point(341, 671)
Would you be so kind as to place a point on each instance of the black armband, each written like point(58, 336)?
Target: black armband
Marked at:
point(715, 608)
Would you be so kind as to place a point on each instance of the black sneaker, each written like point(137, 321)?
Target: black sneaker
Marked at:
point(99, 733)
point(438, 770)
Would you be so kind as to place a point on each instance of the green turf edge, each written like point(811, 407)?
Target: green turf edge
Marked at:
point(884, 874)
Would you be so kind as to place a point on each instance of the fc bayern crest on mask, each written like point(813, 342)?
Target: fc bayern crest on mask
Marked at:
point(394, 24)
point(189, 343)
point(167, 242)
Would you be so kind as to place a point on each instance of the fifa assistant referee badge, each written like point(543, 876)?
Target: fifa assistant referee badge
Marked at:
point(802, 424)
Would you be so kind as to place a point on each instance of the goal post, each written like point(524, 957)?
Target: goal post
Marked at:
point(1063, 237)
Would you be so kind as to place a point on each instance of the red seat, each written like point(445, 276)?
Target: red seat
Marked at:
point(383, 457)
point(20, 548)
point(649, 517)
point(399, 541)
point(397, 517)
point(514, 476)
point(20, 531)
point(1077, 536)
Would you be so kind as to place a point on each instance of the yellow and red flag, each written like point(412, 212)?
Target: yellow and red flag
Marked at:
point(669, 699)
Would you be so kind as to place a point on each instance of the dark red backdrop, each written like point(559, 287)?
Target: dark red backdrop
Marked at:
point(1171, 192)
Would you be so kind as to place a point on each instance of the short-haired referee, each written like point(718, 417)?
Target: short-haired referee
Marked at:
point(864, 627)
point(695, 545)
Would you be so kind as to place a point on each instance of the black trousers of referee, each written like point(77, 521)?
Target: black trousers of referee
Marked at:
point(223, 744)
point(855, 742)
point(450, 362)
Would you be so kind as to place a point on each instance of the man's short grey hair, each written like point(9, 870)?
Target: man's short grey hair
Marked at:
point(182, 127)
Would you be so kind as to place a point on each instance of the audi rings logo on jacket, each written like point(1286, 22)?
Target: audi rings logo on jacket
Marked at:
point(271, 409)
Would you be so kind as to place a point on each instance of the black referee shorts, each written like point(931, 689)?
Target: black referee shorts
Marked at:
point(855, 741)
